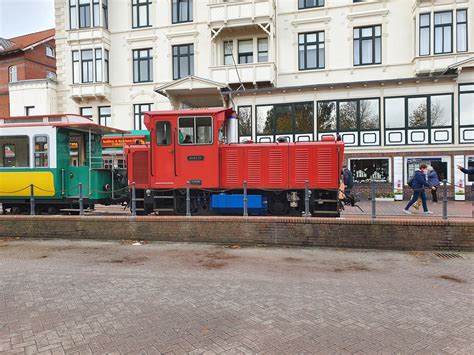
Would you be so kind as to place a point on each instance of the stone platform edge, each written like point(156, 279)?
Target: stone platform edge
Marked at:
point(353, 232)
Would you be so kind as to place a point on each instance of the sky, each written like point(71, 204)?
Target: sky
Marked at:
point(19, 17)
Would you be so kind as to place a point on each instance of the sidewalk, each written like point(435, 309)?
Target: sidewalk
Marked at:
point(456, 209)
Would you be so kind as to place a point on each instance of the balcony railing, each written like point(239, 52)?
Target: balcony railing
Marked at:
point(240, 12)
point(247, 73)
point(80, 92)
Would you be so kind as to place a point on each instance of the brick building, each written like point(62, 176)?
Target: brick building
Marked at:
point(27, 57)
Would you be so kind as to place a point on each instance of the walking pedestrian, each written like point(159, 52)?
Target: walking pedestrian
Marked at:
point(348, 180)
point(434, 182)
point(418, 184)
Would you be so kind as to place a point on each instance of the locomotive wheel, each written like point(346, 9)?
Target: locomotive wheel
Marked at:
point(16, 210)
point(53, 210)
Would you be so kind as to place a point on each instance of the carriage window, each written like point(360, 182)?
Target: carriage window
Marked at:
point(41, 151)
point(163, 133)
point(14, 152)
point(195, 130)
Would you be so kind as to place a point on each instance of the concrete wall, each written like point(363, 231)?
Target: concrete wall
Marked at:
point(395, 234)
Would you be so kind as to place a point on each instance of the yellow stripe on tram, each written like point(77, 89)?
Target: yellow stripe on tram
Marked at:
point(17, 183)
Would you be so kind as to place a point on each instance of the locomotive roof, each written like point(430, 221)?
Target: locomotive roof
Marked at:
point(192, 111)
point(71, 121)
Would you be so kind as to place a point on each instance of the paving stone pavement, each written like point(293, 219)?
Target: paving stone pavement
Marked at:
point(87, 297)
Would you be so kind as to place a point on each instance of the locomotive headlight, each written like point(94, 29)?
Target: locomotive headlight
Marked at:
point(148, 192)
point(106, 187)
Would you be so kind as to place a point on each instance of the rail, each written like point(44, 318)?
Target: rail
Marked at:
point(348, 199)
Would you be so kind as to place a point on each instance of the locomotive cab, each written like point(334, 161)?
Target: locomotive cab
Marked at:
point(197, 149)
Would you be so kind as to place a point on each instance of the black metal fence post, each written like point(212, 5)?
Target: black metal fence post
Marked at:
point(372, 193)
point(306, 200)
point(81, 200)
point(246, 213)
point(445, 199)
point(134, 202)
point(188, 201)
point(32, 200)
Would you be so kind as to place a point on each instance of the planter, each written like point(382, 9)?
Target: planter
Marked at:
point(391, 199)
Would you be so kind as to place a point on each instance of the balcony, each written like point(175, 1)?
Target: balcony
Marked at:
point(88, 35)
point(248, 73)
point(90, 92)
point(240, 13)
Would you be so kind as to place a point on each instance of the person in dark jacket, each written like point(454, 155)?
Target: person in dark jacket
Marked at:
point(348, 180)
point(419, 184)
point(434, 182)
point(469, 171)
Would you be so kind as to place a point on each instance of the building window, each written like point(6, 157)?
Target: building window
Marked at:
point(461, 30)
point(182, 11)
point(141, 13)
point(262, 44)
point(87, 69)
point(90, 65)
point(348, 115)
point(417, 113)
point(86, 112)
point(138, 111)
point(50, 52)
point(228, 52)
point(245, 121)
point(41, 151)
point(29, 110)
point(183, 61)
point(15, 152)
point(246, 51)
point(51, 75)
point(425, 30)
point(195, 130)
point(105, 114)
point(86, 13)
point(142, 65)
point(443, 32)
point(311, 50)
point(368, 45)
point(285, 119)
point(466, 113)
point(12, 74)
point(373, 169)
point(306, 4)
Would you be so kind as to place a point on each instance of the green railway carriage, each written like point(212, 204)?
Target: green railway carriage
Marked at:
point(51, 157)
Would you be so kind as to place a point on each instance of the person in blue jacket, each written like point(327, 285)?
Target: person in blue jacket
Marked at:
point(419, 183)
point(434, 182)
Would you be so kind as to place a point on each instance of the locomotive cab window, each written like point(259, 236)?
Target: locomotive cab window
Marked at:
point(14, 152)
point(163, 133)
point(195, 130)
point(41, 151)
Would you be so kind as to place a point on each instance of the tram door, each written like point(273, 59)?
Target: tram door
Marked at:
point(77, 171)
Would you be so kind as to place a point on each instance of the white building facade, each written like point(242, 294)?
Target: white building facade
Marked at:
point(395, 78)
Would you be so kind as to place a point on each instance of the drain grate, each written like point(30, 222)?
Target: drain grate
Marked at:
point(448, 255)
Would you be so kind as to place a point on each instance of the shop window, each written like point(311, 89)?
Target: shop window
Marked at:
point(163, 133)
point(374, 169)
point(41, 151)
point(14, 152)
point(245, 120)
point(470, 165)
point(439, 164)
point(195, 130)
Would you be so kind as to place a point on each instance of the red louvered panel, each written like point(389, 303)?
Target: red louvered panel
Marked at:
point(301, 171)
point(275, 169)
point(232, 167)
point(140, 167)
point(325, 166)
point(254, 167)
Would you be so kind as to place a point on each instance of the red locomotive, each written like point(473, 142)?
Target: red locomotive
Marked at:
point(198, 149)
